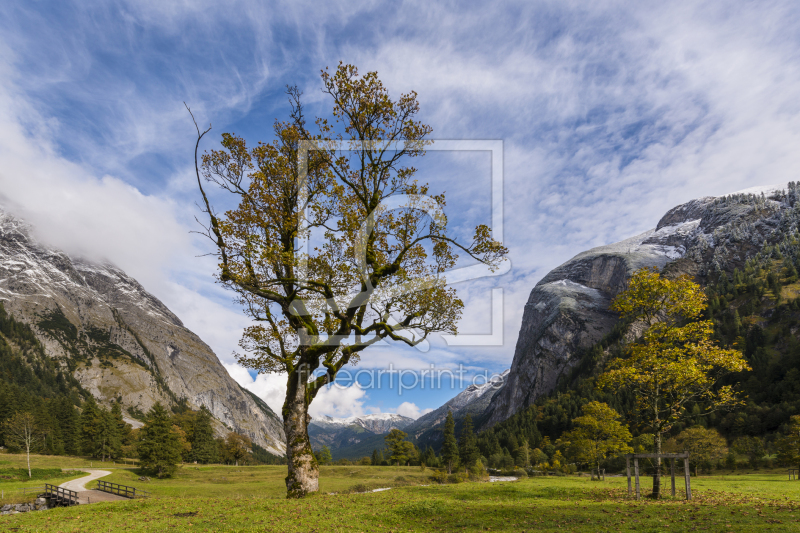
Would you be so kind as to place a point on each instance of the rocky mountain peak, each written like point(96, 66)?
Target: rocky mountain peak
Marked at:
point(118, 340)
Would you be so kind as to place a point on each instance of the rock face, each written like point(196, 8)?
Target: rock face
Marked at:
point(118, 340)
point(568, 310)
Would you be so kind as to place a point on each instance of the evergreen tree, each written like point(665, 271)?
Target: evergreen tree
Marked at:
point(323, 456)
point(204, 449)
point(69, 420)
point(123, 428)
point(429, 457)
point(468, 444)
point(91, 428)
point(159, 448)
point(374, 459)
point(109, 444)
point(450, 446)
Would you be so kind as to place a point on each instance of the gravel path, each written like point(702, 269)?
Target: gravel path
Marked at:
point(87, 495)
point(79, 485)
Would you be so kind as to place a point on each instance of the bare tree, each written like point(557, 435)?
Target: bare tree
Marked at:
point(22, 430)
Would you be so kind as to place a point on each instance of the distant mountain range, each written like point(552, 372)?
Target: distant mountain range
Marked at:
point(358, 436)
point(355, 436)
point(119, 341)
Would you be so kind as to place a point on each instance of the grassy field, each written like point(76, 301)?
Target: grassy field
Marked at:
point(248, 499)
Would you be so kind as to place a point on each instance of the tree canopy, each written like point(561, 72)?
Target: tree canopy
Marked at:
point(598, 434)
point(382, 246)
point(676, 363)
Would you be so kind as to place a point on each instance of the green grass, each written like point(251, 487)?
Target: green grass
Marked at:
point(239, 499)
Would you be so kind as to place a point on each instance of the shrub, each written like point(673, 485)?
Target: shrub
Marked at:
point(439, 476)
point(360, 487)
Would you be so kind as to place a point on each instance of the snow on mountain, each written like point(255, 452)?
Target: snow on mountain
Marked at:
point(119, 341)
point(474, 400)
point(375, 423)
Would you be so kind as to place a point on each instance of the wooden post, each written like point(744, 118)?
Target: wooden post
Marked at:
point(687, 477)
point(628, 471)
point(672, 469)
point(604, 474)
point(636, 473)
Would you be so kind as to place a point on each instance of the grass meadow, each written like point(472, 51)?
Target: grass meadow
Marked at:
point(251, 498)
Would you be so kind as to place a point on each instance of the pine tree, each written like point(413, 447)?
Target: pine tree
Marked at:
point(123, 429)
point(159, 448)
point(450, 446)
point(374, 459)
point(69, 420)
point(204, 448)
point(91, 428)
point(468, 444)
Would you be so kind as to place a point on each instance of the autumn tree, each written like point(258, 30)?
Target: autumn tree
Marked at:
point(381, 243)
point(450, 445)
point(236, 448)
point(705, 446)
point(675, 363)
point(598, 435)
point(23, 431)
point(401, 451)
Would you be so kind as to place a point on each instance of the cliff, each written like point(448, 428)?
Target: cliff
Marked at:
point(118, 340)
point(568, 310)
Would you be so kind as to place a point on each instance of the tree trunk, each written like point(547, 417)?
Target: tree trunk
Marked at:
point(657, 473)
point(28, 452)
point(303, 468)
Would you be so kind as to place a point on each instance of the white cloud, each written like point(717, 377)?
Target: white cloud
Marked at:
point(411, 410)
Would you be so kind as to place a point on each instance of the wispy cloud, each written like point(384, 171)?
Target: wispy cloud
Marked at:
point(611, 113)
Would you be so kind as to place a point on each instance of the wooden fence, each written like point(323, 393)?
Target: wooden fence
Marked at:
point(60, 496)
point(121, 490)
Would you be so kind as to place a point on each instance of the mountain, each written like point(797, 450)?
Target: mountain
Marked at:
point(119, 341)
point(355, 436)
point(567, 312)
point(474, 400)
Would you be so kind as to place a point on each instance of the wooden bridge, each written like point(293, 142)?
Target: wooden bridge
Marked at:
point(60, 496)
point(121, 490)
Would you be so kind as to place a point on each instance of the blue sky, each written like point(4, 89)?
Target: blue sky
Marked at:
point(610, 113)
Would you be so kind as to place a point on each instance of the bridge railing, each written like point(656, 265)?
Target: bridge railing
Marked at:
point(121, 490)
point(60, 496)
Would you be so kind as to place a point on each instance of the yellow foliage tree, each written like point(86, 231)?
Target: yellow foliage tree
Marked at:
point(382, 245)
point(675, 363)
point(704, 445)
point(598, 435)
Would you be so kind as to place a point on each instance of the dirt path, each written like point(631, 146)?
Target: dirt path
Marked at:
point(79, 485)
point(91, 496)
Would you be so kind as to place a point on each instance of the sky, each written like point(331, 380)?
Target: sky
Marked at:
point(608, 114)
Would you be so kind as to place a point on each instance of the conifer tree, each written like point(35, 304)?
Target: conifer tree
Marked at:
point(91, 427)
point(123, 428)
point(450, 446)
point(69, 420)
point(468, 444)
point(159, 448)
point(204, 448)
point(374, 459)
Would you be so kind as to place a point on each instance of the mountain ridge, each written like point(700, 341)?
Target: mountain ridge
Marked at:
point(118, 340)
